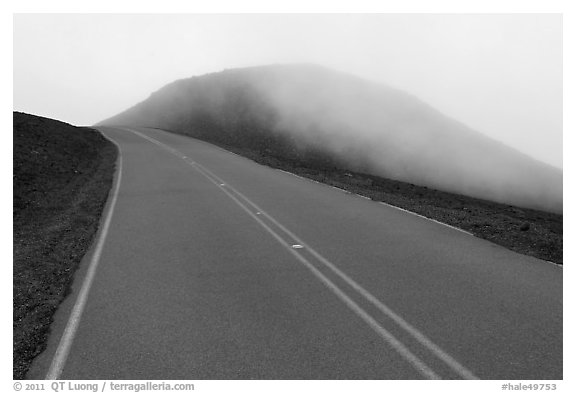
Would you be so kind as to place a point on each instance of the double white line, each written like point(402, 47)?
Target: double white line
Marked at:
point(287, 239)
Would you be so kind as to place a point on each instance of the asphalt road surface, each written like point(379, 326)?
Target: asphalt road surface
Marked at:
point(215, 267)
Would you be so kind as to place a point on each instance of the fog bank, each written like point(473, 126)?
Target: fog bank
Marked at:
point(306, 110)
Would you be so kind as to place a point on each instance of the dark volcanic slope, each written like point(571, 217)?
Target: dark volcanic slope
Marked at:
point(61, 179)
point(314, 115)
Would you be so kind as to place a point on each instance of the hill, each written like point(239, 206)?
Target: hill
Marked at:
point(61, 178)
point(311, 115)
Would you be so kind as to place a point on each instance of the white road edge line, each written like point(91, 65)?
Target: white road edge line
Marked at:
point(61, 355)
point(415, 333)
point(384, 203)
point(427, 218)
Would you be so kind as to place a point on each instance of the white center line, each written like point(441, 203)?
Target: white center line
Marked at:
point(417, 363)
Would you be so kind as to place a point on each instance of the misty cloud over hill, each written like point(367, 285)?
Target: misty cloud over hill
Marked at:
point(318, 116)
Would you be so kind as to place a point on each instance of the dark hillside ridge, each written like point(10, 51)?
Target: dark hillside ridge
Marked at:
point(324, 118)
point(61, 178)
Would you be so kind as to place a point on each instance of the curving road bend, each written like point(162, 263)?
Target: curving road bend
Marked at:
point(215, 267)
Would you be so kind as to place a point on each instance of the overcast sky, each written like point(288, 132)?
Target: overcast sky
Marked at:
point(499, 74)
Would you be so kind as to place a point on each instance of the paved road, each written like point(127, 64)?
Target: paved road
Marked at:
point(215, 267)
